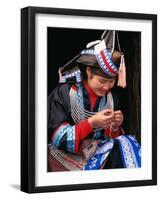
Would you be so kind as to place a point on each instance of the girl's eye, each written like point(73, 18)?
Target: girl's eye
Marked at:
point(102, 81)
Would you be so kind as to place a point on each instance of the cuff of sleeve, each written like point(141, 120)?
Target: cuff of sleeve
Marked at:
point(84, 129)
point(116, 133)
point(112, 134)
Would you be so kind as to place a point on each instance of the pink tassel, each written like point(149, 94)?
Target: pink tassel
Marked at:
point(122, 73)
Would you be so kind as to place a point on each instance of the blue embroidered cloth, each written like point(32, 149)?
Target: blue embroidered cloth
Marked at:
point(129, 148)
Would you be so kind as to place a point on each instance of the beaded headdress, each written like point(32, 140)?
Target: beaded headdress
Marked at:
point(98, 52)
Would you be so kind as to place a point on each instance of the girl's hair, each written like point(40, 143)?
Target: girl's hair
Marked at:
point(96, 69)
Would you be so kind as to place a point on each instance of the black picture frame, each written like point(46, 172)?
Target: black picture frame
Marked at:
point(28, 92)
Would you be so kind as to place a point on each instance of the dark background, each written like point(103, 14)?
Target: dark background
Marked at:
point(64, 43)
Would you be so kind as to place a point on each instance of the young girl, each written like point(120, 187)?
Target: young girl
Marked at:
point(84, 118)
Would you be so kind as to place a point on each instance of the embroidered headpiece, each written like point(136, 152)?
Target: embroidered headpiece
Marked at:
point(100, 53)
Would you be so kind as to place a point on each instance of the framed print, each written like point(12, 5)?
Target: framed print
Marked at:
point(88, 99)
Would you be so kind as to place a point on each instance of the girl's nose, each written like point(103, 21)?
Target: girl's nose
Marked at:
point(106, 87)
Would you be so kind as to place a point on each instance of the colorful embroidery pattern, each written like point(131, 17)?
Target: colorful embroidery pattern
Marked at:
point(71, 139)
point(100, 155)
point(130, 151)
point(105, 62)
point(63, 130)
point(59, 133)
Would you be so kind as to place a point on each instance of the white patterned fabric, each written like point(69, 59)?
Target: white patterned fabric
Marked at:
point(128, 146)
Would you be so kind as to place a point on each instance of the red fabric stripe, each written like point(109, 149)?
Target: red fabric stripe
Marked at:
point(106, 63)
point(82, 130)
point(92, 96)
point(107, 132)
point(77, 141)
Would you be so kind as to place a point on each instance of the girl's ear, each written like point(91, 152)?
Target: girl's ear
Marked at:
point(88, 71)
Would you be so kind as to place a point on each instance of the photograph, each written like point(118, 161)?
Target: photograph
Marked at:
point(94, 101)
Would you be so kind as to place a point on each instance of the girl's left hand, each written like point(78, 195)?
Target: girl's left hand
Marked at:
point(118, 119)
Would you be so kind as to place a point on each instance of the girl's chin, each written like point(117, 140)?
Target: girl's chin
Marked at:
point(101, 93)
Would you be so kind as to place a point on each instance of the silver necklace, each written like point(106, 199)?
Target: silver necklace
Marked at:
point(79, 113)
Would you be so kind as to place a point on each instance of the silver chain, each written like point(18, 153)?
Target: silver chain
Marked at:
point(78, 112)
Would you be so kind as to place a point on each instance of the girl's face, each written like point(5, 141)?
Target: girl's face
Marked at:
point(99, 84)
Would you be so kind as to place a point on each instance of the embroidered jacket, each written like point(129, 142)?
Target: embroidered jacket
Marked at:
point(64, 133)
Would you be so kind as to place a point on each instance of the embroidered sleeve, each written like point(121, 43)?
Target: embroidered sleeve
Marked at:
point(68, 137)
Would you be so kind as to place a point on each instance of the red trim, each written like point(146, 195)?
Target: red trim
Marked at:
point(116, 134)
point(107, 132)
point(77, 141)
point(113, 134)
point(106, 63)
point(82, 130)
point(74, 88)
point(90, 91)
point(92, 96)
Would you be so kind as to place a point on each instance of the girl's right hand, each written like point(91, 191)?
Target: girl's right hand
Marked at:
point(102, 119)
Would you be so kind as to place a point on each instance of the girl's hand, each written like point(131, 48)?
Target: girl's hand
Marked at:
point(102, 119)
point(118, 120)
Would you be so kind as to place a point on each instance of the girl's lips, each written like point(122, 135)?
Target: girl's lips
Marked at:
point(103, 91)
